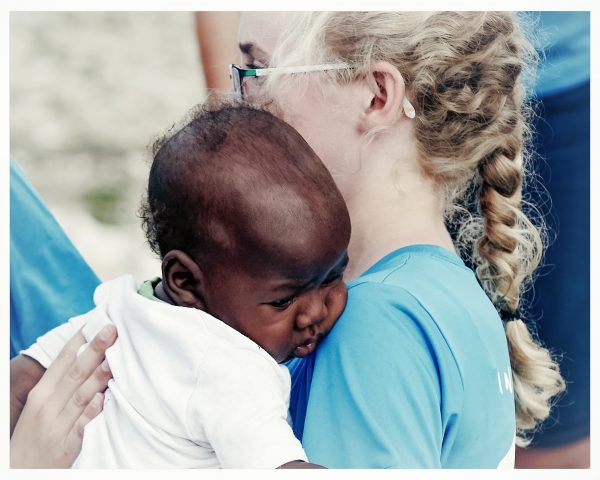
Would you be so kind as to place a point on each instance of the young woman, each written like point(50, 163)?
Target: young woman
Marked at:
point(420, 118)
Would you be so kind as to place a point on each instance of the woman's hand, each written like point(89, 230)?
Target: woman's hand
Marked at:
point(49, 432)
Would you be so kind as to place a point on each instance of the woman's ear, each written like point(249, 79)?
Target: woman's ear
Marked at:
point(387, 97)
point(183, 280)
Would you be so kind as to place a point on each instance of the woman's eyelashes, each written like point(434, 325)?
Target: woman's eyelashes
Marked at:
point(250, 62)
point(253, 63)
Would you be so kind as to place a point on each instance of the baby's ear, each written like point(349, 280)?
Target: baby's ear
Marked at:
point(183, 280)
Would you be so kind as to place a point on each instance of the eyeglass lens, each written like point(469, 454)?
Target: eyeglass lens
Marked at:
point(246, 86)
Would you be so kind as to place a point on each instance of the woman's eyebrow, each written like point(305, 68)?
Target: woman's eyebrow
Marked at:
point(249, 48)
point(246, 48)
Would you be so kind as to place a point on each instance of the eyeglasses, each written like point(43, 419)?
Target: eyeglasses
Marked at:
point(246, 87)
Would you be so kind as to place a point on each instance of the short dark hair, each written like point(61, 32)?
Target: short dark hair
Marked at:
point(203, 175)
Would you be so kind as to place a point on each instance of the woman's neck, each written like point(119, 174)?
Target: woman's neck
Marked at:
point(386, 216)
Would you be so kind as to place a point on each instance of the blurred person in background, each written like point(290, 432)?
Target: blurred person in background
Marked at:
point(41, 297)
point(561, 296)
point(216, 33)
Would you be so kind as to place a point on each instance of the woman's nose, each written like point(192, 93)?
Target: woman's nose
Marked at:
point(312, 310)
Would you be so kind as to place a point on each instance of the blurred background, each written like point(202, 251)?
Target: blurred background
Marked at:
point(88, 91)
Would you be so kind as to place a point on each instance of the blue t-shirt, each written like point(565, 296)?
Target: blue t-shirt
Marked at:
point(415, 373)
point(49, 280)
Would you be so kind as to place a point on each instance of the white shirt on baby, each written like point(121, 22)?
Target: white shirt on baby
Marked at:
point(188, 391)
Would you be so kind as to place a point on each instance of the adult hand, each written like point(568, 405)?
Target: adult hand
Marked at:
point(49, 432)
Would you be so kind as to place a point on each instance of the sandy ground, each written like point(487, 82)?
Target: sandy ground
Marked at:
point(88, 92)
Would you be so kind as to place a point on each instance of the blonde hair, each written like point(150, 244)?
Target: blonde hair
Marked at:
point(464, 75)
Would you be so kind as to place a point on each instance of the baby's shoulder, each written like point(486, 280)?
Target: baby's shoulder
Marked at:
point(240, 363)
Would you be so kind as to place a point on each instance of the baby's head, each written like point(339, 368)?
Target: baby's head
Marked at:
point(250, 226)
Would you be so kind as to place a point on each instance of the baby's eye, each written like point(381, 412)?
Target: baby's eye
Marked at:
point(283, 303)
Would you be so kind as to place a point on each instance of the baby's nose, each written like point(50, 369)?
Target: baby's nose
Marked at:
point(312, 311)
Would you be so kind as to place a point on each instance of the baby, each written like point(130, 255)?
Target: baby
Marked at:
point(253, 234)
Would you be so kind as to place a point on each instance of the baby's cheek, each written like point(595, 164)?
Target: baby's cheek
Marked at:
point(336, 301)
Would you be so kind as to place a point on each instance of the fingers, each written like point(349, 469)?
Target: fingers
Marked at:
point(84, 397)
point(68, 396)
point(82, 367)
point(93, 408)
point(59, 367)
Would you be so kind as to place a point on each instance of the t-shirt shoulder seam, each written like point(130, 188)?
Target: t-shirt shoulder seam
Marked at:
point(382, 280)
point(405, 260)
point(395, 269)
point(436, 255)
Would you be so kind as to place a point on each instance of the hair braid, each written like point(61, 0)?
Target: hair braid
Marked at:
point(509, 249)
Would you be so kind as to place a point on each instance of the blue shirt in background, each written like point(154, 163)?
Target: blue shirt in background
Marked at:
point(563, 39)
point(415, 373)
point(560, 300)
point(49, 280)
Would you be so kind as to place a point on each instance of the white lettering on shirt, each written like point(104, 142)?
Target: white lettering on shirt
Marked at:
point(508, 381)
point(508, 384)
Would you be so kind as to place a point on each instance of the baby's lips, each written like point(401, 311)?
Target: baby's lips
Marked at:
point(310, 344)
point(305, 349)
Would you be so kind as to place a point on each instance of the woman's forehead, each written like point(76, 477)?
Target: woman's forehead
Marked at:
point(260, 29)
